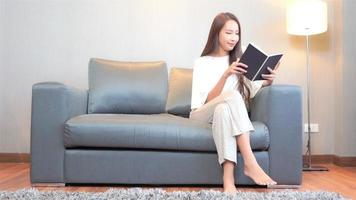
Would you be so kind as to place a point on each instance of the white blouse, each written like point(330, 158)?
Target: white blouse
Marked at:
point(207, 71)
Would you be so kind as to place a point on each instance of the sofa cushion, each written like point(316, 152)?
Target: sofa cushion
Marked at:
point(179, 91)
point(127, 87)
point(157, 131)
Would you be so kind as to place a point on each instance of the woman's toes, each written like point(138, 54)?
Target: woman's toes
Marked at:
point(271, 182)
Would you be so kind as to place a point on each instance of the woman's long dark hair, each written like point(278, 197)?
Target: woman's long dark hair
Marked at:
point(213, 44)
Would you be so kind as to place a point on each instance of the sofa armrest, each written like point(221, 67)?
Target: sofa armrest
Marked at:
point(52, 104)
point(280, 108)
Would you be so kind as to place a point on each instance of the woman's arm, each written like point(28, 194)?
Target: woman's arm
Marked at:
point(216, 91)
point(234, 68)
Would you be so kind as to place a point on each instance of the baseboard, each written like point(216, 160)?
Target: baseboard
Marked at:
point(15, 157)
point(316, 159)
point(319, 159)
point(345, 161)
point(341, 161)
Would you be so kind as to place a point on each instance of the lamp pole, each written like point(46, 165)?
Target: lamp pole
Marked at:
point(308, 99)
point(307, 18)
point(309, 166)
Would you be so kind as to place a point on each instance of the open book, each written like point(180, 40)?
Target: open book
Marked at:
point(258, 61)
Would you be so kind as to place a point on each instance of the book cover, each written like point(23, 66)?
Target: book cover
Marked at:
point(258, 62)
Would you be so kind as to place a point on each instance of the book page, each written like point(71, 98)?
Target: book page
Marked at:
point(271, 62)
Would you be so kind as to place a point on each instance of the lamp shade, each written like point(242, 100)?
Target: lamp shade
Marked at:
point(306, 17)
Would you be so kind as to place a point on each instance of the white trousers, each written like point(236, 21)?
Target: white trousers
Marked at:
point(229, 117)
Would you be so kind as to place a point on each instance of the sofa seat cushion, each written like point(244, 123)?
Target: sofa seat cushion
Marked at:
point(155, 131)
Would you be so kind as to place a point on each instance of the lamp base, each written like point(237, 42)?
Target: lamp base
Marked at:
point(314, 168)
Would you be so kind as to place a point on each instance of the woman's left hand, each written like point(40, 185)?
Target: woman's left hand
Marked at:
point(270, 77)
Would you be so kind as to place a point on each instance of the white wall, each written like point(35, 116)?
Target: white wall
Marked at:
point(53, 41)
point(2, 133)
point(345, 142)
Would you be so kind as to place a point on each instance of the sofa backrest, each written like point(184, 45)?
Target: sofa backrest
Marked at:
point(127, 87)
point(180, 91)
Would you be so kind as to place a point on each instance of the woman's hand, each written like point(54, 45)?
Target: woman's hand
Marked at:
point(235, 68)
point(270, 77)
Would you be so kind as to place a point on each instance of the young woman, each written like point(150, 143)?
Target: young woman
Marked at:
point(221, 95)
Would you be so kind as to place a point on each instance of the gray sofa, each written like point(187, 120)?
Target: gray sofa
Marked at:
point(132, 127)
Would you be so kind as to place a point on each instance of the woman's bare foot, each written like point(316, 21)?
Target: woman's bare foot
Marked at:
point(230, 189)
point(256, 173)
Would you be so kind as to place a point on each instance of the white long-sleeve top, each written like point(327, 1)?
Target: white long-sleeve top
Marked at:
point(207, 71)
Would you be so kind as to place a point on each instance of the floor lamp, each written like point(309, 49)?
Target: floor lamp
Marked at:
point(305, 18)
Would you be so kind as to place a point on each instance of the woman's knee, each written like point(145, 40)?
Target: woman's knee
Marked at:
point(232, 95)
point(221, 109)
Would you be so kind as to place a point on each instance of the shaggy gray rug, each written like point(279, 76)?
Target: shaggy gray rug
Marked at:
point(158, 193)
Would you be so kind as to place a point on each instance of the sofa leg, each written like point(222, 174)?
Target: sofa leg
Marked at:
point(48, 184)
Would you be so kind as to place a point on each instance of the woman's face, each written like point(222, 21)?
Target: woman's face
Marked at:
point(229, 35)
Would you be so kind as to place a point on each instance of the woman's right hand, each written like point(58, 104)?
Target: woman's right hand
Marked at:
point(235, 68)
